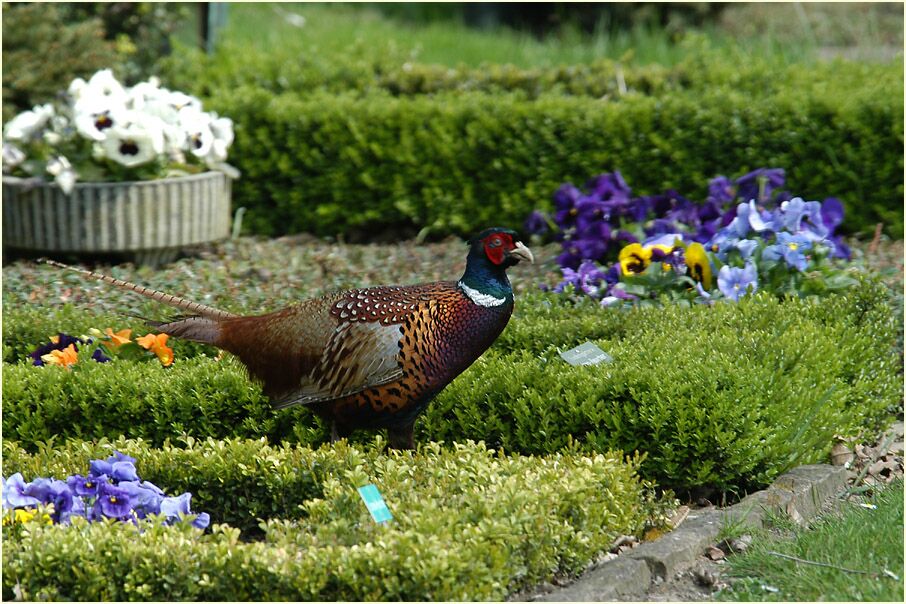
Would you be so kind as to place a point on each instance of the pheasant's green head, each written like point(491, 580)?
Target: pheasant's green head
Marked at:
point(491, 252)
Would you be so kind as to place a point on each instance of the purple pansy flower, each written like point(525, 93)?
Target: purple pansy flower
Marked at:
point(100, 467)
point(565, 204)
point(175, 507)
point(571, 256)
point(535, 224)
point(736, 282)
point(86, 486)
point(750, 218)
point(794, 211)
point(721, 191)
point(832, 213)
point(748, 186)
point(113, 502)
point(589, 212)
point(117, 456)
point(14, 493)
point(99, 356)
point(791, 248)
point(123, 470)
point(615, 294)
point(144, 500)
point(587, 279)
point(57, 492)
point(610, 186)
point(725, 241)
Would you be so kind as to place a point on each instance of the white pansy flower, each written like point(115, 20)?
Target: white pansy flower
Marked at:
point(12, 156)
point(197, 127)
point(103, 83)
point(135, 141)
point(94, 113)
point(222, 128)
point(28, 123)
point(77, 88)
point(144, 92)
point(63, 174)
point(181, 100)
point(94, 124)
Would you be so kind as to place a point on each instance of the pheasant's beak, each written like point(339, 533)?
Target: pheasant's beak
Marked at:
point(520, 252)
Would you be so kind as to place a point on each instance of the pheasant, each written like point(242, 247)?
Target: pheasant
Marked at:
point(365, 358)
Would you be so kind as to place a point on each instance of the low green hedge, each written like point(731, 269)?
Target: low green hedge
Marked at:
point(345, 163)
point(469, 524)
point(280, 71)
point(728, 396)
point(361, 71)
point(199, 396)
point(725, 396)
point(351, 144)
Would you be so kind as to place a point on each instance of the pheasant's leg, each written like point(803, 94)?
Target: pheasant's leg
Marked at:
point(401, 438)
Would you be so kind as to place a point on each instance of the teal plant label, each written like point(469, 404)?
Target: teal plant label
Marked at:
point(586, 354)
point(375, 503)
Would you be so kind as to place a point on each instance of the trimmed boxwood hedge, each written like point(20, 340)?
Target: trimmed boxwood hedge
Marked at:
point(331, 164)
point(356, 144)
point(469, 524)
point(725, 396)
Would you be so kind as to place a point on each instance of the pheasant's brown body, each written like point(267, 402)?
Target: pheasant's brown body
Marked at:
point(367, 358)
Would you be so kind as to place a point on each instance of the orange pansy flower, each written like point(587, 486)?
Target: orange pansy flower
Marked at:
point(119, 338)
point(65, 358)
point(157, 343)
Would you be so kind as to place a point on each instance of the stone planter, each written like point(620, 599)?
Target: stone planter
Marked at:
point(147, 222)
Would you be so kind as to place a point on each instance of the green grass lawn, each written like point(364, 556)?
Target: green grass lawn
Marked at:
point(861, 539)
point(340, 29)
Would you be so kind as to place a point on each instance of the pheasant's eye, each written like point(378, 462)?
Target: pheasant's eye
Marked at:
point(496, 242)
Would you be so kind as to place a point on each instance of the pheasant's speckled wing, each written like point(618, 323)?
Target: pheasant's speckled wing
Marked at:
point(351, 342)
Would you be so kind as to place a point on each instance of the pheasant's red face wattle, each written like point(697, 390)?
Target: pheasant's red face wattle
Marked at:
point(496, 245)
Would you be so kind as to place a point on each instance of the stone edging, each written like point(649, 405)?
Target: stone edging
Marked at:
point(800, 493)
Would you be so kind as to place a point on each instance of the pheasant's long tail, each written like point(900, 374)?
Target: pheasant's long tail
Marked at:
point(202, 310)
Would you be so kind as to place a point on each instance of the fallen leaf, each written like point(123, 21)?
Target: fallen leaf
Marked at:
point(740, 544)
point(715, 553)
point(841, 455)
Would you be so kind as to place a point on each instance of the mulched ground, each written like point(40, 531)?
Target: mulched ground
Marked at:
point(257, 275)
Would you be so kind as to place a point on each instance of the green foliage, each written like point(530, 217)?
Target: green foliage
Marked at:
point(43, 52)
point(282, 70)
point(199, 396)
point(469, 523)
point(140, 30)
point(726, 396)
point(332, 163)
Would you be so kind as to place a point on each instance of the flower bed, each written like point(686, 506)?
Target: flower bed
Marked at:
point(749, 233)
point(469, 523)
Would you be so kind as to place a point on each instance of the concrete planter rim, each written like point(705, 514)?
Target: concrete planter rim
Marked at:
point(37, 182)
